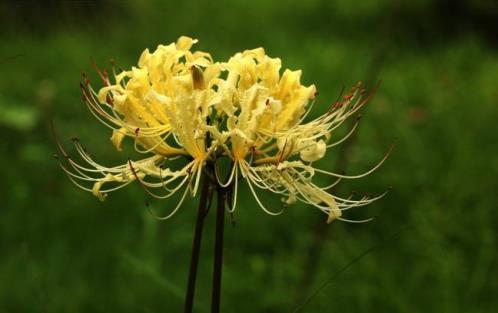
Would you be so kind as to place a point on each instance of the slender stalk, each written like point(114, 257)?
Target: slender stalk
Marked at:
point(218, 251)
point(204, 202)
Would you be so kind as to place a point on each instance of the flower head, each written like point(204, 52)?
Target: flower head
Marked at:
point(181, 104)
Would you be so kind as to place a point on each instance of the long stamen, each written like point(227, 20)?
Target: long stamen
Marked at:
point(233, 204)
point(360, 175)
point(257, 198)
point(346, 136)
point(179, 204)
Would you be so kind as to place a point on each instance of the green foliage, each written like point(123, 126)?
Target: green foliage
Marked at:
point(61, 250)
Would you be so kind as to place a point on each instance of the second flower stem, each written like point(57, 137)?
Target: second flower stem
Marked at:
point(204, 203)
point(218, 251)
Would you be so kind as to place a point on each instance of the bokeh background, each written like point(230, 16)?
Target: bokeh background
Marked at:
point(432, 247)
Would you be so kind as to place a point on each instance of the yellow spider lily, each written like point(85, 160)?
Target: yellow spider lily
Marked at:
point(178, 103)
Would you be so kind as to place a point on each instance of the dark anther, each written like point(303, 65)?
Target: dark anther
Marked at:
point(336, 105)
point(197, 78)
point(109, 100)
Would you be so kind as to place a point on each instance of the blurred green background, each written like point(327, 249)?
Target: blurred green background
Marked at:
point(432, 247)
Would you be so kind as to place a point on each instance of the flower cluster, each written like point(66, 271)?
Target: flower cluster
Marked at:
point(181, 104)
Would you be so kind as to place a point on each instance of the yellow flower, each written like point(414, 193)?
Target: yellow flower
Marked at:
point(162, 104)
point(178, 103)
point(266, 138)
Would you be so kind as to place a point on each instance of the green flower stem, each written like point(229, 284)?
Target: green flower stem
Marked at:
point(218, 251)
point(204, 203)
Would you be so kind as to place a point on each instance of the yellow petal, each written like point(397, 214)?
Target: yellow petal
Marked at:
point(117, 137)
point(333, 215)
point(185, 43)
point(314, 151)
point(144, 58)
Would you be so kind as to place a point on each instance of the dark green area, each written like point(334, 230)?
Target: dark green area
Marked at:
point(435, 238)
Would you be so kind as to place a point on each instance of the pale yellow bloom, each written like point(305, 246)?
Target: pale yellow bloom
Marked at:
point(270, 145)
point(179, 103)
point(162, 104)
